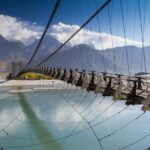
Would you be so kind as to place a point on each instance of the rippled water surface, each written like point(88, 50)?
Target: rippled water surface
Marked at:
point(61, 120)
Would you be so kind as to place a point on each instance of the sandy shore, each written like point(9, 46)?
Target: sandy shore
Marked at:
point(35, 85)
point(29, 82)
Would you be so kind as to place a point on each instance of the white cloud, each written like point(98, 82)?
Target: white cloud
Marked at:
point(13, 29)
point(62, 31)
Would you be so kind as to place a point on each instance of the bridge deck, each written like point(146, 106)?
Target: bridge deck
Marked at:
point(133, 89)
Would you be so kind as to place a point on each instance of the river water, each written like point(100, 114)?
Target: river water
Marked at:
point(69, 119)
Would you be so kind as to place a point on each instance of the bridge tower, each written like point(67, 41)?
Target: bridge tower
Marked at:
point(15, 67)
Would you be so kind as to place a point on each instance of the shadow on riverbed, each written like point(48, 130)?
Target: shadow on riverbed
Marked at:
point(39, 128)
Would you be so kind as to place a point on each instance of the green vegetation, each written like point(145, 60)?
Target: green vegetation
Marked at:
point(33, 76)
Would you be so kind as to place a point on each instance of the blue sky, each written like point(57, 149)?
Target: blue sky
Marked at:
point(76, 11)
point(39, 10)
point(29, 10)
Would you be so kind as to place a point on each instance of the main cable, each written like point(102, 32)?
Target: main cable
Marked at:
point(44, 33)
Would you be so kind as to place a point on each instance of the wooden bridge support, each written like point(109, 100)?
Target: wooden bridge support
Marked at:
point(132, 97)
point(92, 85)
point(109, 91)
point(80, 81)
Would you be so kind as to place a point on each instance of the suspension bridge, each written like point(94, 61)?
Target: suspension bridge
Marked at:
point(129, 88)
point(134, 89)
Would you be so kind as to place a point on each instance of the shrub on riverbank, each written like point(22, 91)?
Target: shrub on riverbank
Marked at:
point(33, 76)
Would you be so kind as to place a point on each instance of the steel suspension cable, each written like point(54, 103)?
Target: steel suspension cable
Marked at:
point(111, 32)
point(100, 38)
point(142, 32)
point(142, 28)
point(124, 32)
point(133, 36)
point(127, 124)
point(88, 125)
point(44, 33)
point(107, 108)
point(135, 142)
point(75, 33)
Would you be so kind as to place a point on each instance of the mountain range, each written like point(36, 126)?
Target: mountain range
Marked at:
point(80, 56)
